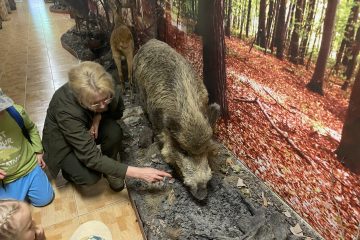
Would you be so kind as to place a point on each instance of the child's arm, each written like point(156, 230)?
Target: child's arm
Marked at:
point(32, 129)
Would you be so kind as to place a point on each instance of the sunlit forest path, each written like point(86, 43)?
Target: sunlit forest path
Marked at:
point(287, 135)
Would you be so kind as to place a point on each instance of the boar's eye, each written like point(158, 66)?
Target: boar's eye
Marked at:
point(182, 151)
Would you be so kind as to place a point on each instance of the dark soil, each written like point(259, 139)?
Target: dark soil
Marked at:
point(167, 210)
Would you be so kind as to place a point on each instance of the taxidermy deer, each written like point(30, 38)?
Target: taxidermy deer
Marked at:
point(122, 44)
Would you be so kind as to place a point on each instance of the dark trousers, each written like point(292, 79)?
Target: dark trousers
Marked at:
point(109, 138)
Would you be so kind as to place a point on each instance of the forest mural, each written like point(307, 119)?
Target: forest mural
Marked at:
point(290, 68)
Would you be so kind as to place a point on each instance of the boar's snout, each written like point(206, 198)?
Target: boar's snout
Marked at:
point(197, 182)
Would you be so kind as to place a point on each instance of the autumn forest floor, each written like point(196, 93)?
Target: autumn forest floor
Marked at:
point(287, 135)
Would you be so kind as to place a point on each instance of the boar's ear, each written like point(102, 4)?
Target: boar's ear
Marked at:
point(172, 124)
point(213, 113)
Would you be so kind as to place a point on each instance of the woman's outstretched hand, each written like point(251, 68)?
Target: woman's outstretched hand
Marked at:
point(148, 174)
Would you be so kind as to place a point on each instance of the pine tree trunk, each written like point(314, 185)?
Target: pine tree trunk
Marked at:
point(348, 35)
point(307, 30)
point(280, 30)
point(348, 151)
point(261, 35)
point(316, 83)
point(214, 54)
point(295, 37)
point(248, 19)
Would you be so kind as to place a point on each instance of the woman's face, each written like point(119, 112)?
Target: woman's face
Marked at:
point(100, 102)
point(25, 224)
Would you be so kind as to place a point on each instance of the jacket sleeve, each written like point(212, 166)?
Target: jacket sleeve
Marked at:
point(116, 107)
point(32, 129)
point(84, 147)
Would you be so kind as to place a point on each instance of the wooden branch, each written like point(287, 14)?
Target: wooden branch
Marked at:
point(245, 100)
point(292, 144)
point(281, 105)
point(282, 133)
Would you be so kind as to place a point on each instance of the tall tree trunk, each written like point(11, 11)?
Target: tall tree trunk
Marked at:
point(317, 34)
point(307, 31)
point(348, 151)
point(261, 35)
point(243, 13)
point(228, 22)
point(289, 21)
point(348, 34)
point(201, 22)
point(316, 83)
point(348, 46)
point(193, 9)
point(295, 38)
point(273, 39)
point(280, 30)
point(248, 19)
point(352, 61)
point(214, 54)
point(269, 21)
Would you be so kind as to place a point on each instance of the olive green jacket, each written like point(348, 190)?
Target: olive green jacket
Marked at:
point(66, 130)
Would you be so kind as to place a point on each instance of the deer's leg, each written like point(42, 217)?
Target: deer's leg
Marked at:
point(117, 59)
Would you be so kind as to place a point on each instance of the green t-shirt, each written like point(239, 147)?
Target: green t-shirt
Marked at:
point(17, 155)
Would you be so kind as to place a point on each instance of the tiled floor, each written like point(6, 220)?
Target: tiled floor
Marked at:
point(32, 66)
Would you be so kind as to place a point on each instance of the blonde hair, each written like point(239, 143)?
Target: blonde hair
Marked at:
point(8, 229)
point(88, 79)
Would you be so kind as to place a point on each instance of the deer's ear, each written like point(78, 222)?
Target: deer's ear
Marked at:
point(213, 113)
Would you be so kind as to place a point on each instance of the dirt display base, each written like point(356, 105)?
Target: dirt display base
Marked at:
point(59, 8)
point(238, 206)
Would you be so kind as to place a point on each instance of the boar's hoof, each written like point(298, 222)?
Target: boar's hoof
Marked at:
point(199, 194)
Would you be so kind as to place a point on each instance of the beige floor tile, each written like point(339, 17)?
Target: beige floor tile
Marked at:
point(120, 218)
point(39, 72)
point(63, 208)
point(38, 65)
point(13, 89)
point(62, 230)
point(98, 196)
point(59, 75)
point(38, 117)
point(40, 85)
point(59, 82)
point(15, 69)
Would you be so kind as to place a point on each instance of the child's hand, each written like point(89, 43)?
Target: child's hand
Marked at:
point(39, 157)
point(2, 174)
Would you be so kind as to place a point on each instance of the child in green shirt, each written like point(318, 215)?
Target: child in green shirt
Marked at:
point(21, 157)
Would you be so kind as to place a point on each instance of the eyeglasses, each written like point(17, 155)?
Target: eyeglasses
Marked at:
point(100, 103)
